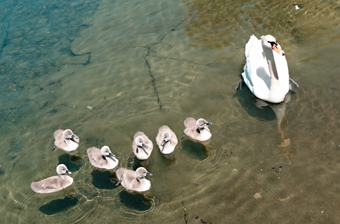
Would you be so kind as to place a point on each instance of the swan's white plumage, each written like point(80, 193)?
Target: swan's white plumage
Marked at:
point(257, 75)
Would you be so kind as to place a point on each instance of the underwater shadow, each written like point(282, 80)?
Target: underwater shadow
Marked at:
point(102, 180)
point(246, 99)
point(58, 205)
point(73, 163)
point(138, 163)
point(195, 150)
point(135, 201)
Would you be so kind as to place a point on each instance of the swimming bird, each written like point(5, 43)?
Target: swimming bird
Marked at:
point(54, 183)
point(166, 140)
point(102, 158)
point(197, 130)
point(266, 70)
point(142, 146)
point(65, 140)
point(134, 180)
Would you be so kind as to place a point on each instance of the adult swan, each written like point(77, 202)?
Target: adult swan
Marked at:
point(266, 70)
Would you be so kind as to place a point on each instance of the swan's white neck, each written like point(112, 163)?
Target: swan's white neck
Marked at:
point(275, 89)
point(274, 77)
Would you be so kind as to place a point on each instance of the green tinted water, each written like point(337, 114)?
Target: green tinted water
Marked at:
point(109, 69)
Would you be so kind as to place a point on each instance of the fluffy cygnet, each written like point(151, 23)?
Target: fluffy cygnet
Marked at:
point(166, 140)
point(142, 146)
point(134, 180)
point(102, 158)
point(197, 130)
point(55, 183)
point(66, 140)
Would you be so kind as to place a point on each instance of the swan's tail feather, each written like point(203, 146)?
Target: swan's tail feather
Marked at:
point(250, 43)
point(293, 85)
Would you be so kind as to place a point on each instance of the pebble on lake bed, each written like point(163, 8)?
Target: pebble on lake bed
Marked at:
point(257, 195)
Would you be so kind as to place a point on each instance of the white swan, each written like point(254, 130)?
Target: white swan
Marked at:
point(55, 183)
point(102, 158)
point(266, 69)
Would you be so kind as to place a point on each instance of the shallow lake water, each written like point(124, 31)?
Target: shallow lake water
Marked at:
point(107, 69)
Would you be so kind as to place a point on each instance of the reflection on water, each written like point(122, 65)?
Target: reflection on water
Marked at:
point(102, 70)
point(266, 114)
point(282, 123)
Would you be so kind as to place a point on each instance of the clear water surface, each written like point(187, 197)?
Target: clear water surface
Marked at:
point(107, 69)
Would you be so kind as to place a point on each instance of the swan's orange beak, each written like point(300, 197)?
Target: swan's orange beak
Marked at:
point(275, 48)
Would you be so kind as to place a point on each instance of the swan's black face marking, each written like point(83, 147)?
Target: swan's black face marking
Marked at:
point(272, 43)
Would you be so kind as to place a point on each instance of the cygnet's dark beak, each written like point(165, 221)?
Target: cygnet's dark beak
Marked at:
point(112, 156)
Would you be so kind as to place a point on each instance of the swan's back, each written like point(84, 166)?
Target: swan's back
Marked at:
point(257, 76)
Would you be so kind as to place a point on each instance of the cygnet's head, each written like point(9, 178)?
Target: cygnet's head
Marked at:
point(166, 136)
point(68, 135)
point(201, 123)
point(62, 170)
point(106, 152)
point(139, 142)
point(141, 172)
